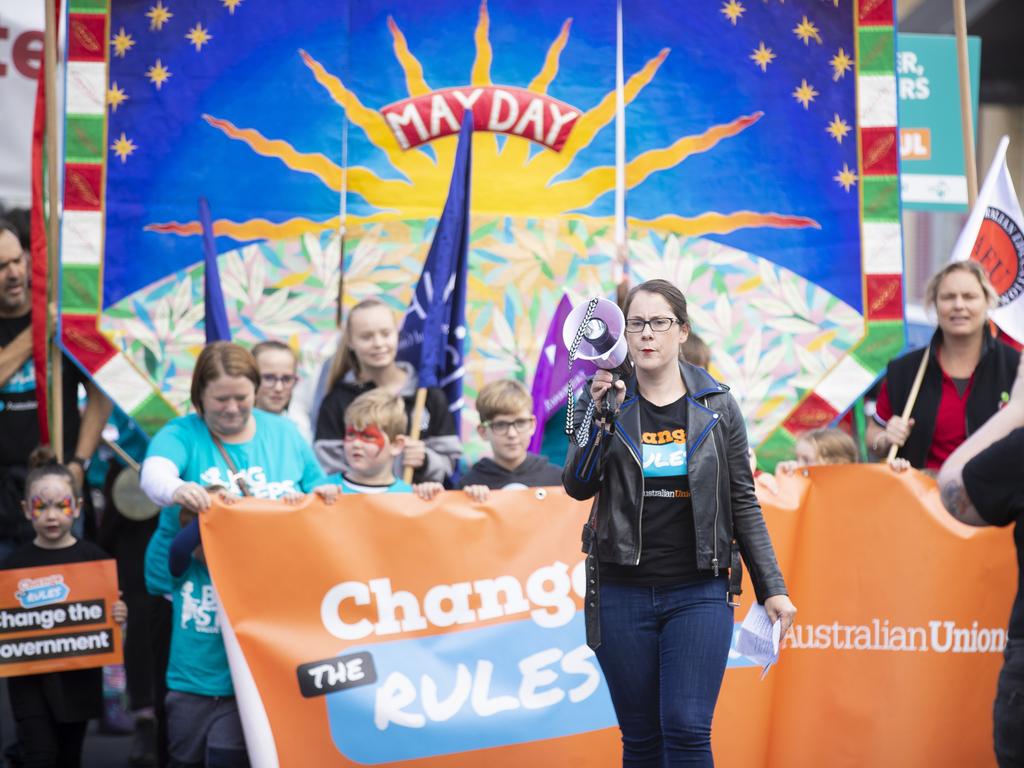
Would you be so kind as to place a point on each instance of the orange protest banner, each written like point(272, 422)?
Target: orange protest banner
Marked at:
point(387, 630)
point(56, 618)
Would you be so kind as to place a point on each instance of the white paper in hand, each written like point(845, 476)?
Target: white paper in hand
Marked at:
point(759, 638)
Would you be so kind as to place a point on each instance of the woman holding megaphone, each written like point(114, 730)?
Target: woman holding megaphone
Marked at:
point(674, 506)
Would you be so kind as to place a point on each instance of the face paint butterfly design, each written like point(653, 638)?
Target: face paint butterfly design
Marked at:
point(370, 435)
point(37, 506)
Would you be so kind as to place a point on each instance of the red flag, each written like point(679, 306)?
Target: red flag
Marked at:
point(39, 265)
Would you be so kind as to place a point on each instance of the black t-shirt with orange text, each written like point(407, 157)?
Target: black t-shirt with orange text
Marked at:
point(668, 544)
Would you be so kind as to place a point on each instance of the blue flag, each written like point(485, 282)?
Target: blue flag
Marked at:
point(434, 329)
point(217, 328)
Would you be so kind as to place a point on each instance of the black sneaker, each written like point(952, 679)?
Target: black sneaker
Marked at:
point(143, 752)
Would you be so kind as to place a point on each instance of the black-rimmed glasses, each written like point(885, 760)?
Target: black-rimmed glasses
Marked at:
point(658, 324)
point(502, 427)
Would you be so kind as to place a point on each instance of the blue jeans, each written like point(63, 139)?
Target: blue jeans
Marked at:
point(663, 654)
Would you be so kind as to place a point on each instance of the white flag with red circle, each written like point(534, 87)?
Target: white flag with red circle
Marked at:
point(994, 237)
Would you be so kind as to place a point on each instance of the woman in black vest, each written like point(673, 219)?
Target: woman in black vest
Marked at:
point(968, 377)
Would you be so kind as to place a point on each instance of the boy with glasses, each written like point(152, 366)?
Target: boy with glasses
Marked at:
point(507, 423)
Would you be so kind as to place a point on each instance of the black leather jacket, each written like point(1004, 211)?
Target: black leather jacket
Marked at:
point(608, 468)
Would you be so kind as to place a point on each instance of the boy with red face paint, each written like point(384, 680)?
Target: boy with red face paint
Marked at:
point(375, 423)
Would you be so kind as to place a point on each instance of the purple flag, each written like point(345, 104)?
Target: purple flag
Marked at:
point(551, 381)
point(217, 328)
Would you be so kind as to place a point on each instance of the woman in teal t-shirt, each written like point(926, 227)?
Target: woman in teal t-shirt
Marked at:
point(226, 444)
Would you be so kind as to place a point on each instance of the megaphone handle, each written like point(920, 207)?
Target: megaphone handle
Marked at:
point(610, 407)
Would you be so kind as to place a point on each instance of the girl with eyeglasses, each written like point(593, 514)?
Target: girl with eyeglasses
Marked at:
point(366, 358)
point(278, 367)
point(674, 507)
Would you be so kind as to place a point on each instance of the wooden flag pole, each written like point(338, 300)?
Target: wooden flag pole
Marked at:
point(914, 389)
point(56, 378)
point(970, 167)
point(966, 118)
point(414, 427)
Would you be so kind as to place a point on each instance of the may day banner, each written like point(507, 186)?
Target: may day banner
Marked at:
point(761, 174)
point(54, 618)
point(387, 630)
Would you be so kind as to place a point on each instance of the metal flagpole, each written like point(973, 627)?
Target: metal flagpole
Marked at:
point(621, 249)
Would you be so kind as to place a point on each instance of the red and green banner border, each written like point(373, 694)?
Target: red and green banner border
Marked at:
point(881, 236)
point(82, 222)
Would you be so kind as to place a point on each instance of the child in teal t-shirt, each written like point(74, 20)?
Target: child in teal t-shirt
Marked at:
point(204, 727)
point(198, 662)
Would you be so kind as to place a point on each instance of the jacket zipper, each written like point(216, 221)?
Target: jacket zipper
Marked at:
point(640, 527)
point(718, 471)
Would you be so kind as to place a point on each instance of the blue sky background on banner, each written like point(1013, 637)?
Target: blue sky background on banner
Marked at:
point(785, 162)
point(249, 73)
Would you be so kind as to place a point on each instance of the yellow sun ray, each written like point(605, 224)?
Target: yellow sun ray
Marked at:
point(547, 73)
point(550, 164)
point(481, 72)
point(517, 150)
point(415, 83)
point(393, 194)
point(714, 223)
point(597, 181)
point(315, 163)
point(254, 229)
point(654, 160)
point(413, 163)
point(485, 148)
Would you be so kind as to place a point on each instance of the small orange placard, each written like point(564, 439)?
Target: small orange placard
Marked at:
point(56, 618)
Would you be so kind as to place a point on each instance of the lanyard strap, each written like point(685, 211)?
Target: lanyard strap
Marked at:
point(242, 485)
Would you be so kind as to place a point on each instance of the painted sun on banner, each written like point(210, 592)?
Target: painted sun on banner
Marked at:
point(761, 178)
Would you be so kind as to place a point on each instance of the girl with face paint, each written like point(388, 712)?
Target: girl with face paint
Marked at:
point(52, 710)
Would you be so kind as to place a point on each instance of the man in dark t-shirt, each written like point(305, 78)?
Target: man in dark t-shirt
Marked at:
point(19, 412)
point(981, 484)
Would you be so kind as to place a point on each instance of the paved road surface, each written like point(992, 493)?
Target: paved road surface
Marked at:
point(101, 750)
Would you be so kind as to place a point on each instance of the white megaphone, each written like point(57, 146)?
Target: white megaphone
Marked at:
point(601, 338)
point(594, 331)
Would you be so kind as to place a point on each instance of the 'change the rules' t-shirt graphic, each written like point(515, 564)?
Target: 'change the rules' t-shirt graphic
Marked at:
point(668, 549)
point(664, 453)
